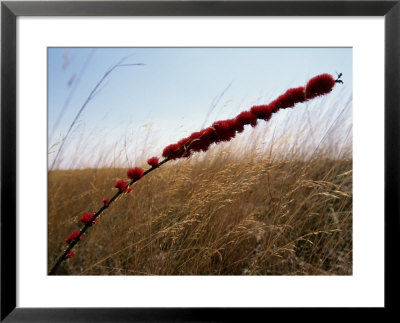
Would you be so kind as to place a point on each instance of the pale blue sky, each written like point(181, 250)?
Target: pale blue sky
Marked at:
point(171, 95)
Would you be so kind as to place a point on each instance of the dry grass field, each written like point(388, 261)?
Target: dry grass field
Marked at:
point(234, 210)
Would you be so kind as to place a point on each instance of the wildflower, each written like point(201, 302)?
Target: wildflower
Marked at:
point(297, 95)
point(235, 125)
point(173, 151)
point(198, 142)
point(224, 130)
point(275, 105)
point(106, 202)
point(72, 236)
point(184, 147)
point(204, 140)
point(71, 254)
point(129, 189)
point(121, 185)
point(247, 117)
point(285, 101)
point(208, 136)
point(319, 85)
point(193, 139)
point(238, 126)
point(153, 161)
point(135, 173)
point(262, 111)
point(87, 217)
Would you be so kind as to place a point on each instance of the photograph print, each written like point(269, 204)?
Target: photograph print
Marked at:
point(200, 161)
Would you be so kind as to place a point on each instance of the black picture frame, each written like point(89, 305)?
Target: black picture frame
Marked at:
point(10, 10)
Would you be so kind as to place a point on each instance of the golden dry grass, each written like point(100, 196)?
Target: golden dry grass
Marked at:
point(219, 213)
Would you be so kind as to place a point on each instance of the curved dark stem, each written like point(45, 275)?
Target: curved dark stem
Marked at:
point(89, 224)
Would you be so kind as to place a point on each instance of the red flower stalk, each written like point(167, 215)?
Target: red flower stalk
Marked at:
point(285, 101)
point(297, 95)
point(291, 97)
point(173, 151)
point(184, 144)
point(193, 141)
point(319, 85)
point(235, 125)
point(225, 130)
point(72, 236)
point(276, 105)
point(262, 111)
point(106, 202)
point(201, 140)
point(71, 254)
point(239, 127)
point(87, 217)
point(135, 173)
point(208, 136)
point(153, 161)
point(121, 185)
point(247, 117)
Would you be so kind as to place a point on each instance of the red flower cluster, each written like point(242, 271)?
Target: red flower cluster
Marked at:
point(225, 130)
point(319, 85)
point(87, 217)
point(71, 254)
point(263, 112)
point(72, 236)
point(106, 202)
point(247, 117)
point(135, 173)
point(121, 185)
point(153, 161)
